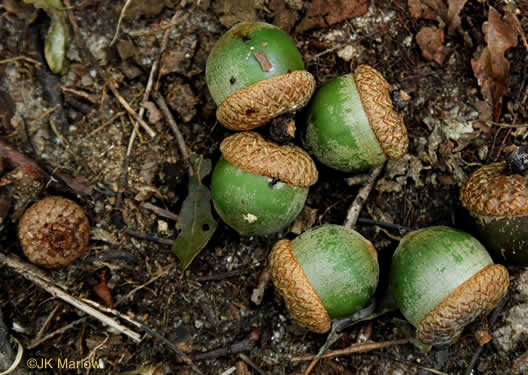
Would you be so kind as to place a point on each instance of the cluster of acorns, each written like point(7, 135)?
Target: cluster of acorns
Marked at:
point(441, 278)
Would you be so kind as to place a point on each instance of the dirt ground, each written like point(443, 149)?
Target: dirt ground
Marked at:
point(452, 110)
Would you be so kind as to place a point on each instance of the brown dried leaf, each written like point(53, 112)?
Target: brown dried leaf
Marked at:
point(431, 42)
point(453, 13)
point(103, 291)
point(492, 69)
point(428, 9)
point(325, 13)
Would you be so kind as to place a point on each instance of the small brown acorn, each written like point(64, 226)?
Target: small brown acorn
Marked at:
point(54, 232)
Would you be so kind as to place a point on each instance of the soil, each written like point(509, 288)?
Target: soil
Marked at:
point(209, 306)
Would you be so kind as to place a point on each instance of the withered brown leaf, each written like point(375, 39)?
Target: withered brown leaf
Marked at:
point(492, 68)
point(431, 42)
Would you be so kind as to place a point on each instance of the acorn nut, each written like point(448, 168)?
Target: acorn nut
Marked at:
point(443, 279)
point(328, 272)
point(498, 202)
point(255, 73)
point(259, 187)
point(352, 125)
point(54, 232)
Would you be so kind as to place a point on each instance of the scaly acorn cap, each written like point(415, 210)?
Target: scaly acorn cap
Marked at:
point(302, 302)
point(490, 192)
point(386, 123)
point(250, 152)
point(476, 296)
point(257, 104)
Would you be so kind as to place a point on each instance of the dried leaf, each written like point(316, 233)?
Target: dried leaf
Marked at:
point(427, 9)
point(431, 42)
point(453, 13)
point(196, 222)
point(492, 69)
point(325, 13)
point(58, 37)
point(103, 291)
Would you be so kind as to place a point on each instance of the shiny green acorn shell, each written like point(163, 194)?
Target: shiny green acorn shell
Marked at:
point(253, 204)
point(232, 64)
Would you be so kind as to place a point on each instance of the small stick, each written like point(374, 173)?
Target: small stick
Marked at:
point(95, 131)
point(357, 205)
point(355, 348)
point(33, 274)
point(179, 137)
point(428, 369)
point(41, 117)
point(40, 340)
point(45, 325)
point(28, 59)
point(160, 211)
point(252, 364)
point(82, 94)
point(149, 331)
point(493, 318)
point(123, 11)
point(150, 237)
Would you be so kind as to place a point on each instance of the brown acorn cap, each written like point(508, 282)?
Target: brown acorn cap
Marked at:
point(476, 296)
point(250, 152)
point(54, 232)
point(386, 123)
point(491, 192)
point(257, 104)
point(303, 304)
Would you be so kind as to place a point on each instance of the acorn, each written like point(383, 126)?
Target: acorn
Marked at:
point(328, 272)
point(54, 232)
point(443, 279)
point(259, 187)
point(352, 125)
point(498, 202)
point(255, 73)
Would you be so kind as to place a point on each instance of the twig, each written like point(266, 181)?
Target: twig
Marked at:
point(150, 237)
point(41, 117)
point(123, 11)
point(337, 327)
point(361, 197)
point(82, 46)
point(45, 325)
point(39, 341)
point(163, 272)
point(179, 137)
point(160, 211)
point(146, 95)
point(82, 94)
point(354, 348)
point(225, 275)
point(149, 331)
point(493, 318)
point(252, 364)
point(28, 59)
point(129, 109)
point(428, 369)
point(400, 228)
point(242, 346)
point(39, 278)
point(18, 358)
point(95, 131)
point(66, 145)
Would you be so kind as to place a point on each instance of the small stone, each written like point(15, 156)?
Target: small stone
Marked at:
point(198, 324)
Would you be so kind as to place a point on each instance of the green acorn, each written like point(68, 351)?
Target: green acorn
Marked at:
point(259, 187)
point(256, 73)
point(326, 273)
point(352, 125)
point(443, 279)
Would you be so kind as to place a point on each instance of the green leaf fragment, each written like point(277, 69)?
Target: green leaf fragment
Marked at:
point(58, 38)
point(196, 222)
